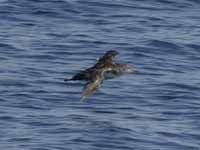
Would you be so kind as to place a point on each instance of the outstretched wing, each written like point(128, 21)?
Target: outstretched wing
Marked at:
point(95, 82)
point(106, 59)
point(90, 87)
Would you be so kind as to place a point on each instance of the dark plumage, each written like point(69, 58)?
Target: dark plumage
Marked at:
point(107, 59)
point(95, 75)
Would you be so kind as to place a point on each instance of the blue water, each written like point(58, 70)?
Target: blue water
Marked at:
point(44, 41)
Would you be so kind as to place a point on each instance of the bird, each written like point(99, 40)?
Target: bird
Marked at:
point(95, 75)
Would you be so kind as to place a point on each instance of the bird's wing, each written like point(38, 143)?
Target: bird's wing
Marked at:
point(107, 58)
point(95, 82)
point(90, 87)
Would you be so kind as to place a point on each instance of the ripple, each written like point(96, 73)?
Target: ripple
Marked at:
point(42, 42)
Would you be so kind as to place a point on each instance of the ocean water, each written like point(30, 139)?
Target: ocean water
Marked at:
point(44, 41)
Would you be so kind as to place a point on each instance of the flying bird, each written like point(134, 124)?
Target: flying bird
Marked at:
point(96, 74)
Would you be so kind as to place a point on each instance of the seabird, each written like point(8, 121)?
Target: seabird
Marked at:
point(96, 74)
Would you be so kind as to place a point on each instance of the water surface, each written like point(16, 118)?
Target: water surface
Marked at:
point(42, 42)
